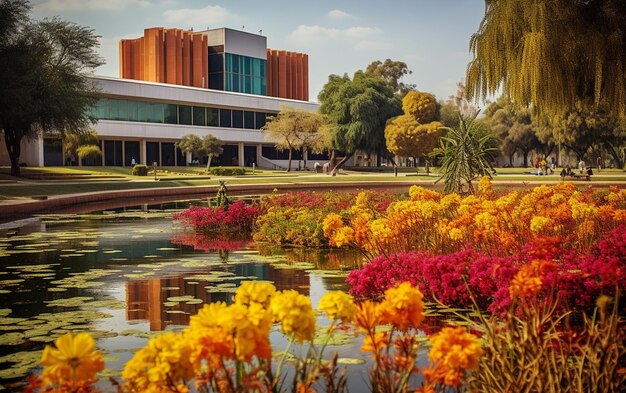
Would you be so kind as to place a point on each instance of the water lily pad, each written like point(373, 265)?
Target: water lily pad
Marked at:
point(194, 301)
point(10, 283)
point(185, 298)
point(170, 304)
point(23, 363)
point(135, 276)
point(57, 289)
point(12, 338)
point(11, 321)
point(112, 251)
point(350, 361)
point(167, 249)
point(43, 339)
point(4, 312)
point(69, 302)
point(174, 311)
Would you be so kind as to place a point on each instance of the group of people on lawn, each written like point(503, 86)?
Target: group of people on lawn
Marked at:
point(541, 164)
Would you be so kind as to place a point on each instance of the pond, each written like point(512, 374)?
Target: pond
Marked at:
point(126, 274)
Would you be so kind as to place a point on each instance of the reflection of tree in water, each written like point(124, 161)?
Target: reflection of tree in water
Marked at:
point(221, 243)
point(322, 258)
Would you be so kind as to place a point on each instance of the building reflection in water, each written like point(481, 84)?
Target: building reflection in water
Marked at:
point(147, 299)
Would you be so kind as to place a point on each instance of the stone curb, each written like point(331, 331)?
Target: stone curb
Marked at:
point(8, 210)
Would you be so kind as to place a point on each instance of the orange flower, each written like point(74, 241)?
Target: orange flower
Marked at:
point(454, 350)
point(74, 360)
point(368, 315)
point(403, 306)
point(375, 343)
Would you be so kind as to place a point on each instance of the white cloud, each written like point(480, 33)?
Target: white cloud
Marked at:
point(372, 46)
point(81, 5)
point(340, 15)
point(304, 34)
point(211, 16)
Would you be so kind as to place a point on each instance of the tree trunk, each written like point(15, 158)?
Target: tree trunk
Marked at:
point(12, 143)
point(208, 163)
point(616, 156)
point(525, 158)
point(417, 167)
point(511, 159)
point(289, 165)
point(331, 161)
point(304, 157)
point(340, 163)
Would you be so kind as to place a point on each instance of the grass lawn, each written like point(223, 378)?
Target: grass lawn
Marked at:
point(69, 180)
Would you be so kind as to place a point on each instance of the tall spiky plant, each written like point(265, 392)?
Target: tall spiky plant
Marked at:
point(468, 153)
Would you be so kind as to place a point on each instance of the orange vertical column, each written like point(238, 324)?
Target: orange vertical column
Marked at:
point(141, 58)
point(160, 54)
point(275, 61)
point(205, 61)
point(170, 56)
point(196, 62)
point(305, 72)
point(179, 57)
point(299, 77)
point(282, 74)
point(186, 48)
point(151, 55)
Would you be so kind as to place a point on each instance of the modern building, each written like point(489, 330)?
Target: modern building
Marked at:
point(175, 82)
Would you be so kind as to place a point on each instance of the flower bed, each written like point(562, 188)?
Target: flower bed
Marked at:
point(238, 217)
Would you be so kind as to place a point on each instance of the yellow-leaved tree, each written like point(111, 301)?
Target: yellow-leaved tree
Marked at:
point(414, 134)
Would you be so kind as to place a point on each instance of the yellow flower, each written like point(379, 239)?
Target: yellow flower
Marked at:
point(403, 306)
point(255, 292)
point(343, 237)
point(331, 223)
point(74, 360)
point(540, 224)
point(207, 317)
point(484, 186)
point(375, 343)
point(338, 305)
point(454, 350)
point(455, 234)
point(295, 313)
point(163, 362)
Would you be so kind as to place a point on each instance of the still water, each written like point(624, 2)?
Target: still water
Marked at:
point(126, 274)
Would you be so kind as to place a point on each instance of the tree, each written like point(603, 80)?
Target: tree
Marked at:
point(295, 129)
point(551, 53)
point(515, 128)
point(467, 155)
point(414, 134)
point(391, 72)
point(455, 104)
point(207, 145)
point(584, 126)
point(43, 84)
point(72, 142)
point(358, 110)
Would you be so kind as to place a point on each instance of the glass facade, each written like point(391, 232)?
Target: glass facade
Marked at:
point(245, 74)
point(153, 112)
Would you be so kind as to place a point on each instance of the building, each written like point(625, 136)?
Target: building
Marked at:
point(175, 82)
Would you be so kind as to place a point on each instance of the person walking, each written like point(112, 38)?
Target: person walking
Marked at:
point(581, 166)
point(599, 162)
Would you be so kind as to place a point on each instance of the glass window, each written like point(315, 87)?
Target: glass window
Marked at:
point(234, 64)
point(259, 120)
point(247, 65)
point(141, 110)
point(248, 120)
point(212, 117)
point(256, 67)
point(263, 68)
point(169, 114)
point(154, 112)
point(122, 108)
point(235, 86)
point(248, 87)
point(263, 87)
point(256, 85)
point(184, 114)
point(237, 119)
point(199, 116)
point(225, 118)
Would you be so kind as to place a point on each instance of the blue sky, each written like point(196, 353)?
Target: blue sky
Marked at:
point(431, 36)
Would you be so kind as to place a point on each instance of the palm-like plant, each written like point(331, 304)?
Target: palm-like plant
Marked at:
point(468, 152)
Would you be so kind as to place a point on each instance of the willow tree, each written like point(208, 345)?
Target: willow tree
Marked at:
point(551, 53)
point(414, 134)
point(358, 110)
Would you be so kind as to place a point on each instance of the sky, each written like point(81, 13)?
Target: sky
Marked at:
point(430, 36)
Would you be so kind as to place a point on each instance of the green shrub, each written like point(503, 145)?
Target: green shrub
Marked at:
point(228, 171)
point(140, 170)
